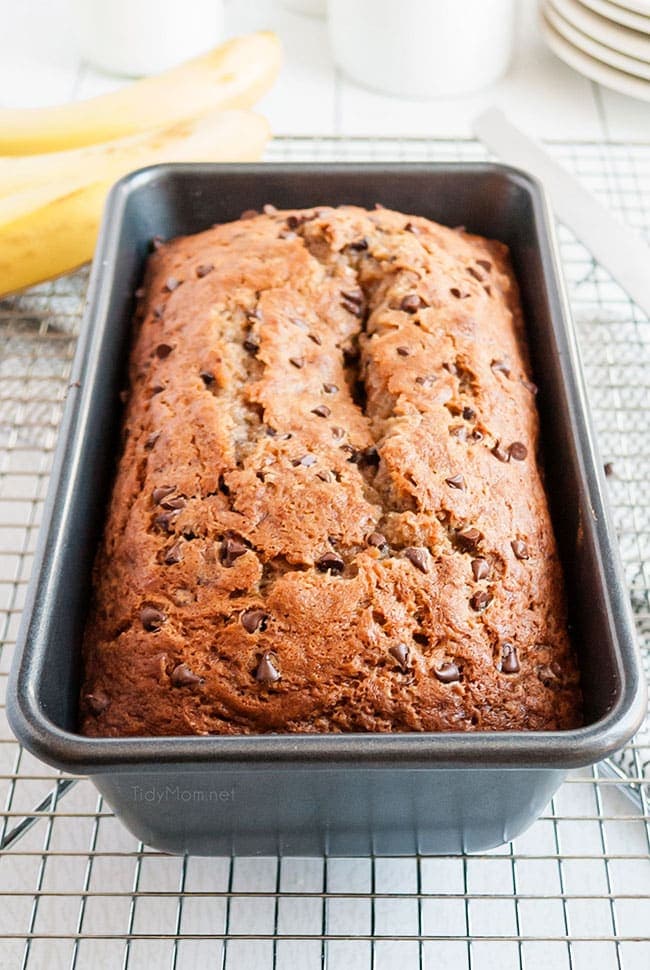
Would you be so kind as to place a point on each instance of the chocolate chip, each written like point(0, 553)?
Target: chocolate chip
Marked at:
point(520, 549)
point(469, 414)
point(455, 292)
point(608, 468)
point(411, 303)
point(360, 245)
point(451, 368)
point(231, 550)
point(419, 557)
point(174, 555)
point(509, 659)
point(529, 385)
point(337, 433)
point(484, 264)
point(162, 492)
point(157, 388)
point(297, 362)
point(479, 600)
point(97, 701)
point(354, 309)
point(251, 343)
point(480, 569)
point(152, 439)
point(377, 540)
point(518, 451)
point(477, 435)
point(354, 296)
point(447, 673)
point(325, 476)
point(249, 214)
point(158, 312)
point(151, 618)
point(469, 537)
point(165, 521)
point(475, 274)
point(330, 388)
point(266, 672)
point(254, 314)
point(182, 676)
point(456, 481)
point(403, 351)
point(322, 411)
point(253, 620)
point(172, 283)
point(307, 460)
point(400, 652)
point(426, 380)
point(175, 504)
point(330, 562)
point(315, 338)
point(207, 377)
point(204, 269)
point(409, 227)
point(293, 222)
point(500, 453)
point(500, 367)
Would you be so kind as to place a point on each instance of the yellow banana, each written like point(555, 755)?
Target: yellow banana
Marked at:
point(233, 75)
point(44, 233)
point(30, 183)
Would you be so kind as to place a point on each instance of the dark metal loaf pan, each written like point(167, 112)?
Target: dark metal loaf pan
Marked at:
point(341, 794)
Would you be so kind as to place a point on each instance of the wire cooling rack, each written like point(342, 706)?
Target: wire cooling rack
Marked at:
point(77, 891)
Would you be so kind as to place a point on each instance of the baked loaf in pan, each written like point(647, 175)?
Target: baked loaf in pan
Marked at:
point(329, 512)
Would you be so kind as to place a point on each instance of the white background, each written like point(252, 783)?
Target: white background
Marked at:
point(39, 65)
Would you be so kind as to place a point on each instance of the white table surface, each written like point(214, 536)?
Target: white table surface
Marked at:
point(39, 65)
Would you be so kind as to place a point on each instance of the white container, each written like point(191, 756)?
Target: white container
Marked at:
point(137, 37)
point(313, 8)
point(422, 48)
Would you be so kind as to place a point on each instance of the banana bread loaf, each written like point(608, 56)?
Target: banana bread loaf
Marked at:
point(329, 512)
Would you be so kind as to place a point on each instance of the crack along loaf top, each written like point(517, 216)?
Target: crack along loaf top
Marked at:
point(329, 513)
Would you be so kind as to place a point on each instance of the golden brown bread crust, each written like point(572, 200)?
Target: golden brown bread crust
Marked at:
point(328, 514)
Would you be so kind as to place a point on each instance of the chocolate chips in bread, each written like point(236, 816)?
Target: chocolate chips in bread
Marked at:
point(329, 513)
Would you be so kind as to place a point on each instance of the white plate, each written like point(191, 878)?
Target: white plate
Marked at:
point(631, 65)
point(594, 69)
point(620, 15)
point(630, 42)
point(636, 6)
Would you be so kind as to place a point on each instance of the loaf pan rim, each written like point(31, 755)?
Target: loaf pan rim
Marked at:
point(481, 749)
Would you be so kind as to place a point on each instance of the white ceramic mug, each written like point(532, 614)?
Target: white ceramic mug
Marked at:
point(422, 48)
point(137, 37)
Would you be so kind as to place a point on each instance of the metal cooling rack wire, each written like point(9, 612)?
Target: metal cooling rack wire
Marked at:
point(77, 890)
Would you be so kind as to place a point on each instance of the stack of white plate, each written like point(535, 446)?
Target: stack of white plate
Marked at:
point(606, 40)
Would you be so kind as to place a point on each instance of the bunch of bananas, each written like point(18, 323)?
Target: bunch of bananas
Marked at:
point(58, 163)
